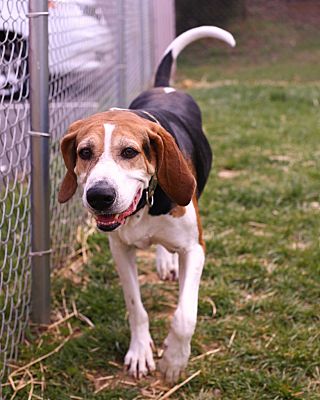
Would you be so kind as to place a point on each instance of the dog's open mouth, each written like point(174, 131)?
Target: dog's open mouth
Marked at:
point(109, 222)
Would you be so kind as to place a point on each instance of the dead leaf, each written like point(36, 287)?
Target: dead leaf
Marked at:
point(228, 174)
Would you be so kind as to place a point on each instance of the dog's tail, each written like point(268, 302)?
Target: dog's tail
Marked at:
point(178, 44)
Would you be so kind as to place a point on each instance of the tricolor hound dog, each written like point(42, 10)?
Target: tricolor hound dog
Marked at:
point(142, 171)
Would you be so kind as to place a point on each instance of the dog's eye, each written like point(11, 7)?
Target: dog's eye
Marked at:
point(129, 152)
point(85, 153)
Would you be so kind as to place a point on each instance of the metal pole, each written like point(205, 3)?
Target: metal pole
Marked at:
point(142, 60)
point(152, 42)
point(39, 137)
point(122, 95)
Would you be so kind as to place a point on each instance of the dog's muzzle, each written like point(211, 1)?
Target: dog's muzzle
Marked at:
point(101, 199)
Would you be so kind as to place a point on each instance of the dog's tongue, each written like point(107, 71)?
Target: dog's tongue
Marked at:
point(114, 218)
point(106, 219)
point(111, 219)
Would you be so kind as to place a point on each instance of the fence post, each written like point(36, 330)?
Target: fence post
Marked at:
point(151, 42)
point(40, 152)
point(121, 21)
point(143, 60)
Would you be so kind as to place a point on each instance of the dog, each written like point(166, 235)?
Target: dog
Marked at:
point(142, 170)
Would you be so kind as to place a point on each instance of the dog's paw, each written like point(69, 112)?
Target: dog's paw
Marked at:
point(139, 358)
point(175, 358)
point(167, 264)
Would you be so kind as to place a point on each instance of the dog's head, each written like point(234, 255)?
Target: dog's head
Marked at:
point(113, 155)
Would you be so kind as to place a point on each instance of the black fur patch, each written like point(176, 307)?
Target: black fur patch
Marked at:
point(164, 71)
point(146, 149)
point(180, 115)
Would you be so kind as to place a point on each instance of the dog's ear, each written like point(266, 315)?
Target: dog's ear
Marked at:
point(68, 148)
point(174, 175)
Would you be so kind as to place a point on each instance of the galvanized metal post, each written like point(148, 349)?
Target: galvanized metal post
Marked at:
point(152, 43)
point(39, 137)
point(122, 92)
point(143, 59)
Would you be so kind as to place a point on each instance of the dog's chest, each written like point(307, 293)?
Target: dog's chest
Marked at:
point(138, 231)
point(142, 230)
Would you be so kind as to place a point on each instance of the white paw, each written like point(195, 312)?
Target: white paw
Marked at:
point(167, 264)
point(175, 358)
point(139, 358)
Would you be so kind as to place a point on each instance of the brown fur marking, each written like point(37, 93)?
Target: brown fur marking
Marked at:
point(195, 205)
point(178, 212)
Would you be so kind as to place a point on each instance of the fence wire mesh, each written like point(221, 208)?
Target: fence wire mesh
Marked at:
point(14, 180)
point(83, 79)
point(101, 54)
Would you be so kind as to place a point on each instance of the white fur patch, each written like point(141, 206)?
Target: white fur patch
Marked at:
point(139, 358)
point(167, 264)
point(118, 109)
point(108, 129)
point(194, 34)
point(105, 167)
point(169, 89)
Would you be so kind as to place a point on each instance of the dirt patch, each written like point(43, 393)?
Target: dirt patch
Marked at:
point(302, 12)
point(228, 174)
point(150, 387)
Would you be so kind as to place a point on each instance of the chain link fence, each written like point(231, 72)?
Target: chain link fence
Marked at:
point(15, 263)
point(101, 54)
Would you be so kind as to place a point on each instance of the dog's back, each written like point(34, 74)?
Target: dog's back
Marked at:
point(179, 114)
point(176, 111)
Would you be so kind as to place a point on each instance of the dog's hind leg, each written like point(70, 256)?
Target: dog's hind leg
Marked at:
point(139, 358)
point(177, 344)
point(167, 264)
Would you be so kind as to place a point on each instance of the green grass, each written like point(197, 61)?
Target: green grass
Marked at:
point(261, 216)
point(265, 50)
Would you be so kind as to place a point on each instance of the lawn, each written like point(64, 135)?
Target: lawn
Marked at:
point(258, 334)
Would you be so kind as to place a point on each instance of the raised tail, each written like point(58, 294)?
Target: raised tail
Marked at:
point(178, 44)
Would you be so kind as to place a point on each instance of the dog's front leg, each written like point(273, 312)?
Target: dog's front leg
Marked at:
point(139, 358)
point(167, 264)
point(177, 344)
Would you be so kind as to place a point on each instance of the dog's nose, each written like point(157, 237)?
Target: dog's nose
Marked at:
point(101, 197)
